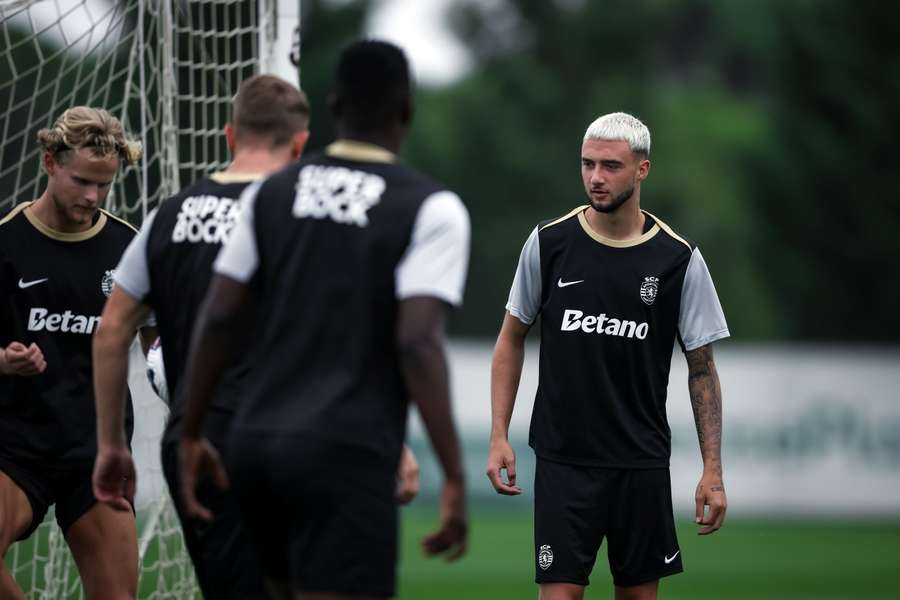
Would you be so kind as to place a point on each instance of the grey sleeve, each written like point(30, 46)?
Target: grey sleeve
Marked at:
point(239, 257)
point(133, 274)
point(436, 261)
point(701, 320)
point(525, 295)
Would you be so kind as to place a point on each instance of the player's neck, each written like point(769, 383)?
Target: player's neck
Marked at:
point(390, 139)
point(624, 223)
point(257, 161)
point(44, 210)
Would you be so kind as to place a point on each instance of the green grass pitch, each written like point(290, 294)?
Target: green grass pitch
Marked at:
point(745, 560)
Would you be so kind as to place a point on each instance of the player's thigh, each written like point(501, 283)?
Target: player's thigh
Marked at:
point(224, 559)
point(569, 521)
point(643, 546)
point(560, 591)
point(103, 541)
point(16, 514)
point(263, 506)
point(345, 542)
point(315, 596)
point(340, 515)
point(644, 591)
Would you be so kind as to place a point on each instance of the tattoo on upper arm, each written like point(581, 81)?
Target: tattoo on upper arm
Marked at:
point(706, 400)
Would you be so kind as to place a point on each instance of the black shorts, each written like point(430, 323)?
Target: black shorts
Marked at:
point(223, 558)
point(322, 515)
point(70, 489)
point(575, 507)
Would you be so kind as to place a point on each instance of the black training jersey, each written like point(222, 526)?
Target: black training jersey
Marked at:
point(168, 267)
point(611, 312)
point(336, 240)
point(53, 287)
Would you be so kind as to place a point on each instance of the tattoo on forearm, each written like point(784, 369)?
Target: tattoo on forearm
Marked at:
point(706, 401)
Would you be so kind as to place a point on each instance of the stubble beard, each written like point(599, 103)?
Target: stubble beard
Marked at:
point(69, 216)
point(614, 204)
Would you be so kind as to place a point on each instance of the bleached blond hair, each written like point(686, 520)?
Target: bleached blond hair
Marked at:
point(621, 126)
point(91, 129)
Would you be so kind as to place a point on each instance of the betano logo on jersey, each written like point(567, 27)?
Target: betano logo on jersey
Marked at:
point(208, 219)
point(41, 319)
point(341, 194)
point(575, 320)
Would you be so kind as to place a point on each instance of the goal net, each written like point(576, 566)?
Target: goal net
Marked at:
point(168, 70)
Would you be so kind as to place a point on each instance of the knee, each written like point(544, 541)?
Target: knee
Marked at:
point(645, 591)
point(561, 591)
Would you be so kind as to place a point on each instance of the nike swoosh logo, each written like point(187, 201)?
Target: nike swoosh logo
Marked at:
point(668, 560)
point(562, 284)
point(28, 284)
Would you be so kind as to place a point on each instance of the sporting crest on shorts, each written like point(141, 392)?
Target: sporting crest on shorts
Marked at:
point(649, 289)
point(545, 557)
point(107, 283)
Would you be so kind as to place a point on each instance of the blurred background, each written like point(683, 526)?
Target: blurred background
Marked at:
point(774, 126)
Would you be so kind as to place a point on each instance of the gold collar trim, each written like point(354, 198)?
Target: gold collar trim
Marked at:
point(616, 243)
point(225, 178)
point(359, 151)
point(61, 235)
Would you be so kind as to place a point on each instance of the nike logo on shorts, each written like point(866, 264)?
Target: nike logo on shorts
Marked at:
point(669, 559)
point(28, 284)
point(562, 284)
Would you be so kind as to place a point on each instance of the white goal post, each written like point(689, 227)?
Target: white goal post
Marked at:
point(168, 70)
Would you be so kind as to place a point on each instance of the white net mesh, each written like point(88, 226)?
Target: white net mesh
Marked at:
point(168, 69)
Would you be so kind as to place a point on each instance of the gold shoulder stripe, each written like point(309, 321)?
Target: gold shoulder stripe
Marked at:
point(19, 208)
point(568, 215)
point(670, 231)
point(122, 221)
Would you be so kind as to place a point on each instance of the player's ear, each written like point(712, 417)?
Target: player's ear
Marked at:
point(230, 136)
point(643, 169)
point(298, 143)
point(49, 162)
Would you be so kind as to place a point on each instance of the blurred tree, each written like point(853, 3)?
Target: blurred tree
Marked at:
point(762, 115)
point(825, 184)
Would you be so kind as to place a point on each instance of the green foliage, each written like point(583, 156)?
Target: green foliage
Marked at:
point(772, 126)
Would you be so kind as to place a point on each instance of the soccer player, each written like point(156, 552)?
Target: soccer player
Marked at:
point(58, 256)
point(167, 269)
point(615, 287)
point(352, 258)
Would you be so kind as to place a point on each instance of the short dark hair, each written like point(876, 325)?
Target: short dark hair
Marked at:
point(373, 85)
point(268, 107)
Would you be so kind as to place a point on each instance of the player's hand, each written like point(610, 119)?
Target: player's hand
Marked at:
point(710, 494)
point(407, 477)
point(198, 458)
point(450, 539)
point(501, 456)
point(115, 478)
point(19, 359)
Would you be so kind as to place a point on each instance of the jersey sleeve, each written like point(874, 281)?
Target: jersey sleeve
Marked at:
point(525, 295)
point(701, 320)
point(133, 273)
point(436, 261)
point(239, 257)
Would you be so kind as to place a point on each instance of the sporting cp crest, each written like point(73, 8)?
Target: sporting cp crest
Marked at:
point(545, 557)
point(107, 283)
point(649, 289)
